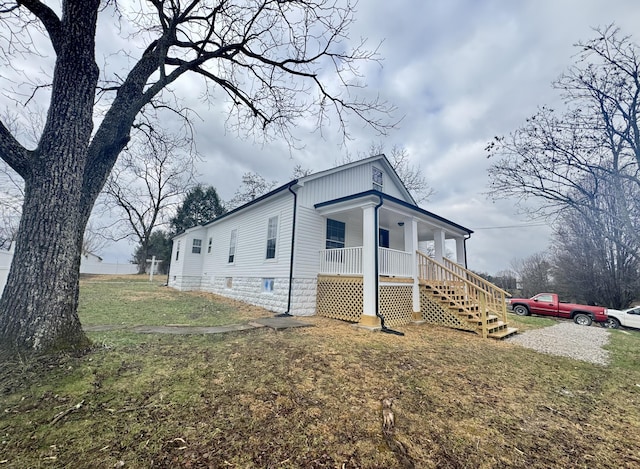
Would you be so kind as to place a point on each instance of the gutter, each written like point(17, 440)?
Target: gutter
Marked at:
point(384, 328)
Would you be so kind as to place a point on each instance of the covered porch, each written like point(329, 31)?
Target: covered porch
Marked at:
point(385, 258)
point(373, 240)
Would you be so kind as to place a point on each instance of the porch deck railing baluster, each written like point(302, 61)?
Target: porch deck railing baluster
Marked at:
point(341, 261)
point(348, 261)
point(394, 263)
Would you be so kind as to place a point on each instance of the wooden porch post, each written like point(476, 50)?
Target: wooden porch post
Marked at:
point(369, 232)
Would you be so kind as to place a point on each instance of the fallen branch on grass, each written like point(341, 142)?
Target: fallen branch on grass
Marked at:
point(60, 415)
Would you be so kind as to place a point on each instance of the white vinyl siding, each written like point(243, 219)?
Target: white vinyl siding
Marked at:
point(310, 239)
point(250, 253)
point(344, 183)
point(185, 262)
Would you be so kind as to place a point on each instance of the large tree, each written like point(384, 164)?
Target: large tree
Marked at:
point(591, 261)
point(591, 150)
point(144, 187)
point(266, 56)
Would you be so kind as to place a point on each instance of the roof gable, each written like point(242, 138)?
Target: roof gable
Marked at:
point(377, 159)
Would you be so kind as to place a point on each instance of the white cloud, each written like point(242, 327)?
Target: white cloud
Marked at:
point(460, 72)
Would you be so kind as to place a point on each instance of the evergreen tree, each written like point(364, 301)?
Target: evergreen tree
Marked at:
point(159, 246)
point(200, 206)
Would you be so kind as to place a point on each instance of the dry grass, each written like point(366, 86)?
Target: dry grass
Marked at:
point(311, 398)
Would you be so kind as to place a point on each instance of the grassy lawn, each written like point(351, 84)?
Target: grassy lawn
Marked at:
point(311, 397)
point(132, 300)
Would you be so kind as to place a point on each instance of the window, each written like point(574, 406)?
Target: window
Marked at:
point(544, 298)
point(272, 236)
point(335, 234)
point(197, 246)
point(178, 250)
point(267, 285)
point(210, 244)
point(232, 245)
point(377, 179)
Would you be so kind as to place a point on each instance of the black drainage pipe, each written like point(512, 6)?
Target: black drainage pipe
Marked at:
point(384, 328)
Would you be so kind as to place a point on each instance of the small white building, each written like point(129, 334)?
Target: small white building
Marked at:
point(342, 243)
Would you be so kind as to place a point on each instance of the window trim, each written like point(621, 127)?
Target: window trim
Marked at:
point(328, 240)
point(178, 250)
point(233, 243)
point(274, 239)
point(377, 183)
point(210, 244)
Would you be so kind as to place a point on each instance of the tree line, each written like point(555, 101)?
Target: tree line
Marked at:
point(579, 168)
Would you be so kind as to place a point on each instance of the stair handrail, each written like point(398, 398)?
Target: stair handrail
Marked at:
point(489, 286)
point(494, 297)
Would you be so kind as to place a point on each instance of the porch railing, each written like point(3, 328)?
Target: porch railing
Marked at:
point(395, 263)
point(348, 261)
point(341, 261)
point(466, 284)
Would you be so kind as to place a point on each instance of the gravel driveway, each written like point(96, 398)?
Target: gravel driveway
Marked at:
point(568, 340)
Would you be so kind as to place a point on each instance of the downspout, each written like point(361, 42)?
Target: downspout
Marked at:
point(464, 242)
point(377, 280)
point(293, 243)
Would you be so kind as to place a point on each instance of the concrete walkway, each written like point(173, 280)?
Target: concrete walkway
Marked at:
point(276, 323)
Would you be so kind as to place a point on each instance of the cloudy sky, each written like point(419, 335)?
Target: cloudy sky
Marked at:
point(459, 72)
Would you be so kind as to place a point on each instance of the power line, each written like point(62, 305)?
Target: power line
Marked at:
point(523, 225)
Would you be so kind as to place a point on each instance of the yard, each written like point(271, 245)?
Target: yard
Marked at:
point(309, 397)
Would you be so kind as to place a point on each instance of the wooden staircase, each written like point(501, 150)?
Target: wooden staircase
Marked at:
point(456, 297)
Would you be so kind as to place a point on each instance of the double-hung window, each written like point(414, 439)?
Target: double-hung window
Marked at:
point(178, 250)
point(196, 248)
point(232, 245)
point(272, 237)
point(210, 245)
point(335, 234)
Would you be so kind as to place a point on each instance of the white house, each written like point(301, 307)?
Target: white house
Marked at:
point(342, 243)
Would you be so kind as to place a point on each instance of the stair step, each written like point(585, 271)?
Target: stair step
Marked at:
point(504, 333)
point(491, 319)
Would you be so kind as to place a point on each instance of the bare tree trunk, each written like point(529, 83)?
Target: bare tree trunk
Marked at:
point(38, 307)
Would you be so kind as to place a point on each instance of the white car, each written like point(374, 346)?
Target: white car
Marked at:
point(627, 318)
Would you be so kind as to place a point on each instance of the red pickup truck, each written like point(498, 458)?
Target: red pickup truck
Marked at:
point(547, 304)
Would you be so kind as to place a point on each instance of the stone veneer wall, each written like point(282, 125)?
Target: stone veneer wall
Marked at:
point(249, 290)
point(303, 298)
point(185, 282)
